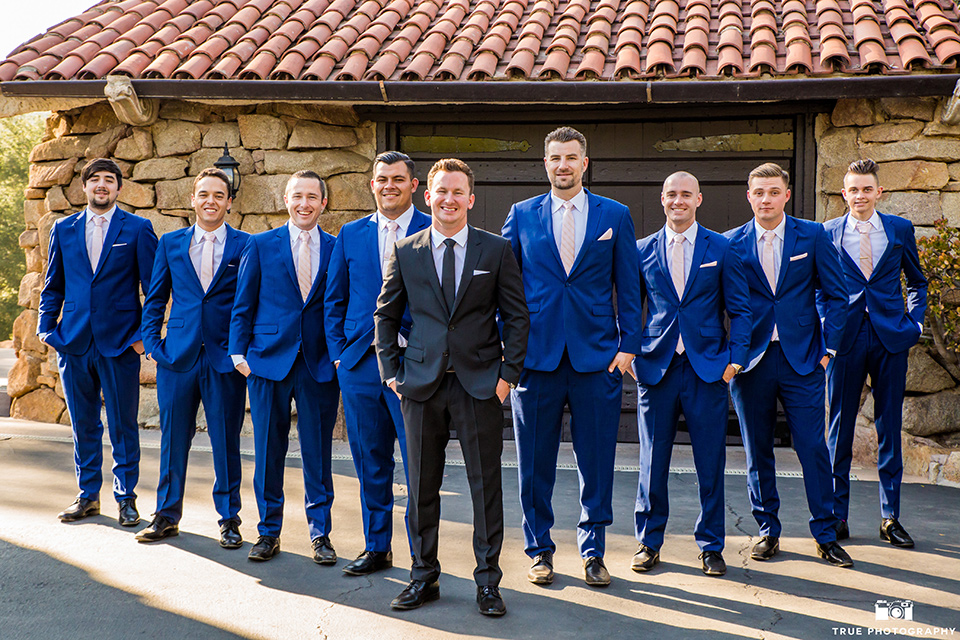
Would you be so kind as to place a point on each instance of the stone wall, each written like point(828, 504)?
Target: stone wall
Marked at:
point(158, 162)
point(919, 158)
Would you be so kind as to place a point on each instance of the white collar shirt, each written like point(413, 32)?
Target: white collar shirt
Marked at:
point(851, 238)
point(89, 226)
point(196, 246)
point(459, 253)
point(690, 240)
point(579, 212)
point(314, 248)
point(403, 223)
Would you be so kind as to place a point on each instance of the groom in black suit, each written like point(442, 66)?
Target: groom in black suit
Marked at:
point(455, 279)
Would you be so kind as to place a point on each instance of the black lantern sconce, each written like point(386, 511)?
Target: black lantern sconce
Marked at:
point(229, 165)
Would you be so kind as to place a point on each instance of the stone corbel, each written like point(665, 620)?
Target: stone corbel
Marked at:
point(129, 108)
point(951, 110)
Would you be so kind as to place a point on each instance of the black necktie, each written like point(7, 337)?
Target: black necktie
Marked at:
point(449, 283)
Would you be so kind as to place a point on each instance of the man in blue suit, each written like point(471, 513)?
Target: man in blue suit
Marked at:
point(689, 278)
point(99, 259)
point(786, 260)
point(197, 267)
point(371, 410)
point(277, 341)
point(875, 250)
point(573, 248)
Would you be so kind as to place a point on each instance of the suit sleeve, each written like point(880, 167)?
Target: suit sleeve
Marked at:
point(156, 302)
point(626, 277)
point(514, 316)
point(245, 303)
point(51, 297)
point(387, 319)
point(916, 281)
point(335, 300)
point(833, 289)
point(736, 299)
point(512, 233)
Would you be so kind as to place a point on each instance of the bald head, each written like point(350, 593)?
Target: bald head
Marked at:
point(682, 176)
point(680, 198)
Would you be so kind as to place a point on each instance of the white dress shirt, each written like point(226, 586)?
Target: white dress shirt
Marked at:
point(851, 238)
point(196, 246)
point(690, 239)
point(579, 213)
point(403, 223)
point(90, 226)
point(459, 253)
point(314, 248)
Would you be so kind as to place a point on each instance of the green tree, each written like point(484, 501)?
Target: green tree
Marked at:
point(18, 135)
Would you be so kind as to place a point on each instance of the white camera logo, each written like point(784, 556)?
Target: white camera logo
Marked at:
point(894, 610)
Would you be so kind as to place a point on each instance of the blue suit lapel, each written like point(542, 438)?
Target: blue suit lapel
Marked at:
point(419, 222)
point(80, 237)
point(699, 250)
point(594, 213)
point(891, 238)
point(789, 242)
point(752, 258)
point(837, 236)
point(322, 256)
point(369, 241)
point(660, 248)
point(181, 252)
point(282, 247)
point(231, 246)
point(546, 221)
point(116, 223)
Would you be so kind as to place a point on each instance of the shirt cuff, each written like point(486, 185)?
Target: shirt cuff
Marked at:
point(390, 381)
point(238, 360)
point(832, 352)
point(401, 341)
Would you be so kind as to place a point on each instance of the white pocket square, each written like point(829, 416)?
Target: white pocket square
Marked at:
point(799, 257)
point(709, 264)
point(120, 244)
point(480, 272)
point(606, 235)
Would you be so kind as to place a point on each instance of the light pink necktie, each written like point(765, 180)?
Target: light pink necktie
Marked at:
point(767, 259)
point(388, 248)
point(866, 249)
point(568, 238)
point(206, 260)
point(96, 247)
point(677, 269)
point(304, 275)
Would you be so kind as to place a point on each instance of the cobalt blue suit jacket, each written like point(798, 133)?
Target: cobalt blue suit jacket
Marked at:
point(101, 306)
point(271, 323)
point(197, 318)
point(716, 283)
point(809, 262)
point(576, 313)
point(882, 294)
point(354, 281)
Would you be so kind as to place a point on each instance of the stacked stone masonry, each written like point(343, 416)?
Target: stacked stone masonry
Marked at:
point(159, 162)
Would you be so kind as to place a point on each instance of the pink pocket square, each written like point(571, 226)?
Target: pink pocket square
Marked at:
point(606, 235)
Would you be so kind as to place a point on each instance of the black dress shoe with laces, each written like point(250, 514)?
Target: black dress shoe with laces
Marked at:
point(595, 573)
point(541, 571)
point(834, 554)
point(766, 548)
point(645, 559)
point(129, 516)
point(416, 594)
point(230, 537)
point(369, 562)
point(265, 548)
point(490, 602)
point(80, 509)
point(843, 530)
point(158, 529)
point(713, 564)
point(893, 532)
point(323, 552)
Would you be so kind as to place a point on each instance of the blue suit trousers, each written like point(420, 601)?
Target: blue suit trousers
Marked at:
point(704, 405)
point(316, 416)
point(845, 377)
point(755, 394)
point(83, 378)
point(179, 395)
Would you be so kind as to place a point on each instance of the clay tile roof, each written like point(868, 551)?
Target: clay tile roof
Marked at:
point(490, 40)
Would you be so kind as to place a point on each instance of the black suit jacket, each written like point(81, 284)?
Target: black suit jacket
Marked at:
point(466, 338)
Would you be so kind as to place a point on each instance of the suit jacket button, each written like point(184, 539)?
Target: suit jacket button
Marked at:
point(451, 328)
point(446, 354)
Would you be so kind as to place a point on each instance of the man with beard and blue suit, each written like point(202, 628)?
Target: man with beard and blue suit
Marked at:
point(277, 341)
point(574, 248)
point(371, 410)
point(197, 267)
point(690, 278)
point(787, 260)
point(875, 250)
point(99, 260)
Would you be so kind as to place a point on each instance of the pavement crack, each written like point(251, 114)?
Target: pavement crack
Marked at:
point(363, 582)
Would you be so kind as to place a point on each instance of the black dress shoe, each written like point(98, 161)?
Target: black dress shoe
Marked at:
point(713, 564)
point(489, 601)
point(843, 531)
point(265, 548)
point(416, 595)
point(323, 552)
point(893, 532)
point(158, 529)
point(834, 554)
point(645, 559)
point(230, 537)
point(368, 562)
point(80, 509)
point(541, 571)
point(129, 517)
point(595, 573)
point(766, 548)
